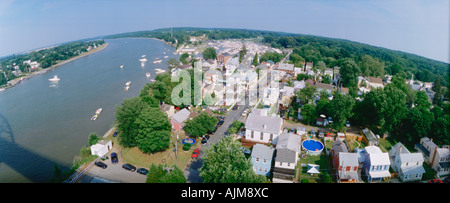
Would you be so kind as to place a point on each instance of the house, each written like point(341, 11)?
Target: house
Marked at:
point(287, 151)
point(369, 137)
point(409, 166)
point(261, 128)
point(169, 110)
point(298, 85)
point(101, 148)
point(438, 158)
point(324, 86)
point(210, 63)
point(288, 68)
point(286, 96)
point(376, 164)
point(231, 65)
point(222, 58)
point(179, 118)
point(262, 157)
point(345, 164)
point(374, 82)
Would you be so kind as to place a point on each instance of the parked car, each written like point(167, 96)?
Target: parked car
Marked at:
point(246, 151)
point(435, 181)
point(114, 158)
point(235, 107)
point(101, 164)
point(196, 153)
point(115, 134)
point(205, 139)
point(142, 171)
point(347, 124)
point(313, 133)
point(220, 123)
point(129, 167)
point(447, 180)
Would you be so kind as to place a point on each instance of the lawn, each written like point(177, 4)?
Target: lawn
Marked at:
point(321, 160)
point(136, 157)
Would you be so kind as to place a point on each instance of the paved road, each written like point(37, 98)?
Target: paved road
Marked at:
point(191, 172)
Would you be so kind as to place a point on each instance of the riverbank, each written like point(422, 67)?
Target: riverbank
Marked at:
point(17, 81)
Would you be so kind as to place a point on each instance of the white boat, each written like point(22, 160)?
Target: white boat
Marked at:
point(98, 111)
point(128, 83)
point(94, 117)
point(54, 79)
point(143, 56)
point(157, 61)
point(126, 88)
point(147, 75)
point(166, 57)
point(121, 66)
point(143, 60)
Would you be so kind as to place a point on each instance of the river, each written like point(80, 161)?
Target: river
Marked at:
point(43, 123)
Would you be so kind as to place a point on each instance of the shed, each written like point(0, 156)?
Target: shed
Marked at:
point(101, 148)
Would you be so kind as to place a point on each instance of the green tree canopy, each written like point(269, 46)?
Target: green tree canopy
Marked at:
point(200, 125)
point(225, 162)
point(340, 108)
point(153, 130)
point(209, 53)
point(125, 117)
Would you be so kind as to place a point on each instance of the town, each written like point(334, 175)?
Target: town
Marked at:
point(296, 120)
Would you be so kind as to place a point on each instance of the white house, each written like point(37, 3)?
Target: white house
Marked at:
point(262, 128)
point(101, 148)
point(408, 165)
point(231, 66)
point(438, 158)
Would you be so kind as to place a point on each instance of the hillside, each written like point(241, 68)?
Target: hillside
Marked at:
point(314, 48)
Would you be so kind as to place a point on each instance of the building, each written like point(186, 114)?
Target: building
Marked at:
point(179, 118)
point(101, 148)
point(345, 164)
point(374, 82)
point(409, 166)
point(376, 164)
point(287, 151)
point(261, 128)
point(288, 68)
point(169, 110)
point(369, 137)
point(262, 157)
point(438, 158)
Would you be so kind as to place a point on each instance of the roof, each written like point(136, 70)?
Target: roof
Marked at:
point(375, 80)
point(262, 151)
point(348, 159)
point(286, 67)
point(165, 107)
point(323, 86)
point(181, 115)
point(377, 157)
point(286, 155)
point(289, 141)
point(261, 123)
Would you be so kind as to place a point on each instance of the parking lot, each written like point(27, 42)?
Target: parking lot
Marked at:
point(113, 173)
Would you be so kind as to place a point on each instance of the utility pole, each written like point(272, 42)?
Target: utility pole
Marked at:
point(176, 148)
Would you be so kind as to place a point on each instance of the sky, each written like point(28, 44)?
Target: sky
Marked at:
point(415, 26)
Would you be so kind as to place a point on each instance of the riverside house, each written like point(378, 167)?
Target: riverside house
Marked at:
point(261, 128)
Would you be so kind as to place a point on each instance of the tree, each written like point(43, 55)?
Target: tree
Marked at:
point(200, 125)
point(308, 113)
point(255, 60)
point(125, 117)
point(163, 174)
point(225, 162)
point(306, 94)
point(209, 53)
point(349, 72)
point(153, 130)
point(93, 139)
point(172, 63)
point(340, 108)
point(392, 110)
point(242, 53)
point(183, 58)
point(371, 66)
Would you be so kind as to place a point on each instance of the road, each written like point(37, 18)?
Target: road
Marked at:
point(191, 172)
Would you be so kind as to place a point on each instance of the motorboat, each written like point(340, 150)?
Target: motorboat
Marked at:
point(143, 60)
point(166, 57)
point(157, 61)
point(147, 75)
point(126, 88)
point(98, 111)
point(121, 66)
point(159, 71)
point(128, 83)
point(94, 117)
point(54, 79)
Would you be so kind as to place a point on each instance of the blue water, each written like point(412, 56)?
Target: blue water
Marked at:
point(41, 126)
point(312, 145)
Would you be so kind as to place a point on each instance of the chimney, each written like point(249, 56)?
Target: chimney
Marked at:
point(264, 126)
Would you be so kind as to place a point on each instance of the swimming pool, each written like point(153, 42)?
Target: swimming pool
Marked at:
point(312, 147)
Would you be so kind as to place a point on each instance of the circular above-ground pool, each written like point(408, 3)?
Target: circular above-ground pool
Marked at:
point(312, 147)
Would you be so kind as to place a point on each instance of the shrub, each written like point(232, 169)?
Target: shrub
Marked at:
point(186, 146)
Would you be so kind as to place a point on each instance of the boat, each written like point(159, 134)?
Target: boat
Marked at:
point(143, 56)
point(128, 83)
point(166, 57)
point(54, 79)
point(121, 66)
point(147, 75)
point(94, 117)
point(98, 111)
point(157, 61)
point(143, 60)
point(159, 71)
point(126, 88)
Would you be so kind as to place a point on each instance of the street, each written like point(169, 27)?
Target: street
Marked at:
point(191, 172)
